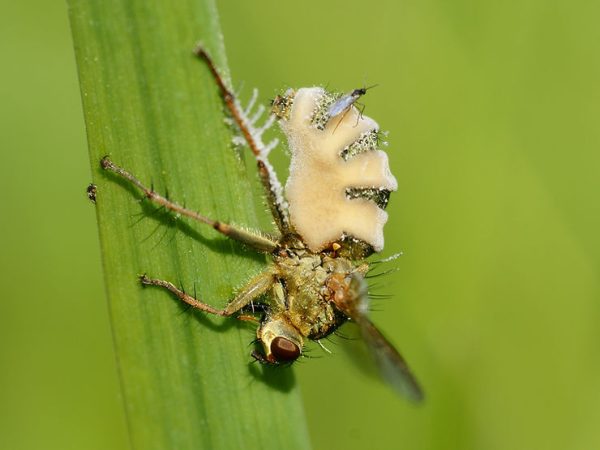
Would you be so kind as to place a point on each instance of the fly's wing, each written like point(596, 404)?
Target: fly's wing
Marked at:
point(392, 366)
point(340, 106)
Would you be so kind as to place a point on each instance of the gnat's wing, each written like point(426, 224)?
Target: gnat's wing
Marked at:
point(392, 366)
point(340, 106)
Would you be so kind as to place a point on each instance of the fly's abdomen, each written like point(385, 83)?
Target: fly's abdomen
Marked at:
point(340, 180)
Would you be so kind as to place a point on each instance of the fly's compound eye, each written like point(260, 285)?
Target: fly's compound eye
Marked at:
point(284, 350)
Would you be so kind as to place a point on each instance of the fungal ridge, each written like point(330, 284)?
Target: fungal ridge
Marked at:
point(369, 140)
point(320, 116)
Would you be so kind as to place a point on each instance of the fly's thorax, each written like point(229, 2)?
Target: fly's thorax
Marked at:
point(308, 305)
point(314, 317)
point(339, 181)
point(302, 277)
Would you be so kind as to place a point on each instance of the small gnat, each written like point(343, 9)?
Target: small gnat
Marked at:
point(343, 104)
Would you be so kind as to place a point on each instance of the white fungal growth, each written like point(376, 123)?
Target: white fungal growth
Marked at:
point(256, 133)
point(320, 209)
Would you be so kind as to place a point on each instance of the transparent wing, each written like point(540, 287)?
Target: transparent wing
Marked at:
point(340, 106)
point(392, 366)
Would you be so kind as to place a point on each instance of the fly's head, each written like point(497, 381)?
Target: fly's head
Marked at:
point(282, 342)
point(356, 93)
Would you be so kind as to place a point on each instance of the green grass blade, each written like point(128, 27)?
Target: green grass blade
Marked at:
point(150, 105)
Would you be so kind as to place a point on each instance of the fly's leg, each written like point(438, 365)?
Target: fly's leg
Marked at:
point(192, 301)
point(258, 286)
point(256, 241)
point(361, 110)
point(247, 318)
point(253, 137)
point(342, 118)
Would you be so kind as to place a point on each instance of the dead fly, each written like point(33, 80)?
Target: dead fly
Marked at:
point(330, 221)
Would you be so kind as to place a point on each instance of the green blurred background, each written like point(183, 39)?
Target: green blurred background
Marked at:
point(493, 115)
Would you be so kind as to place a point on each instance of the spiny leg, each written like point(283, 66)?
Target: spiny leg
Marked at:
point(192, 301)
point(252, 290)
point(252, 136)
point(256, 241)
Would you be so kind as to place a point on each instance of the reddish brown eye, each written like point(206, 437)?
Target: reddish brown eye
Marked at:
point(284, 350)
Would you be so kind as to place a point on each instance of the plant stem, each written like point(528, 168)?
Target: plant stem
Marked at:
point(186, 378)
